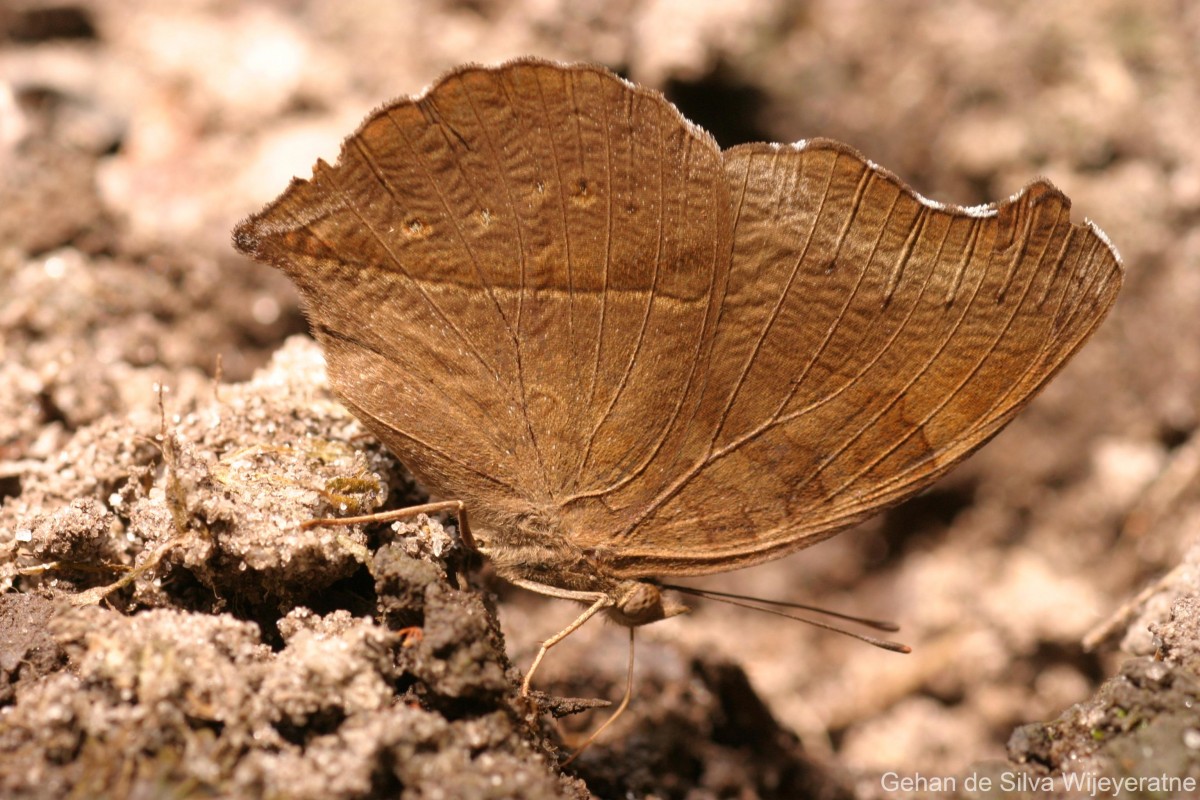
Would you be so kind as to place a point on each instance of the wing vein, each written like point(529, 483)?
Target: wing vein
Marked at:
point(641, 336)
point(450, 215)
point(902, 261)
point(669, 424)
point(795, 386)
point(375, 234)
point(990, 416)
point(774, 312)
point(676, 485)
point(512, 209)
point(872, 363)
point(390, 425)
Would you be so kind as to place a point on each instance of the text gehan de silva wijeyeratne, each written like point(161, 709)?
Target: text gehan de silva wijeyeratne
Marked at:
point(1083, 783)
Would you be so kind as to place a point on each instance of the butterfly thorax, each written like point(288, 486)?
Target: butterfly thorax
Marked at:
point(546, 562)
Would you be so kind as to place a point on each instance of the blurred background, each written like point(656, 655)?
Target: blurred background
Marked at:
point(134, 134)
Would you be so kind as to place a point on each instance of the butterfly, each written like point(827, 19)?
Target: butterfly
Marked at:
point(631, 355)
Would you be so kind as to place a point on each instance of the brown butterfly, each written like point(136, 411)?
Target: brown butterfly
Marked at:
point(631, 354)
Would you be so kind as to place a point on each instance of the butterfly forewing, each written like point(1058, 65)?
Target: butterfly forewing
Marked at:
point(498, 271)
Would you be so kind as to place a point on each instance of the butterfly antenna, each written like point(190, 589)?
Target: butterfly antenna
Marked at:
point(712, 594)
point(758, 604)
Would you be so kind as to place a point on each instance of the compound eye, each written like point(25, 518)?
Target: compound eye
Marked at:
point(642, 603)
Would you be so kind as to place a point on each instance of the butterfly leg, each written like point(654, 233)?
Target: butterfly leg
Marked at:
point(620, 708)
point(599, 601)
point(455, 506)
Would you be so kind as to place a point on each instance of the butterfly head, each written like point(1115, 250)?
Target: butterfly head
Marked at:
point(639, 603)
